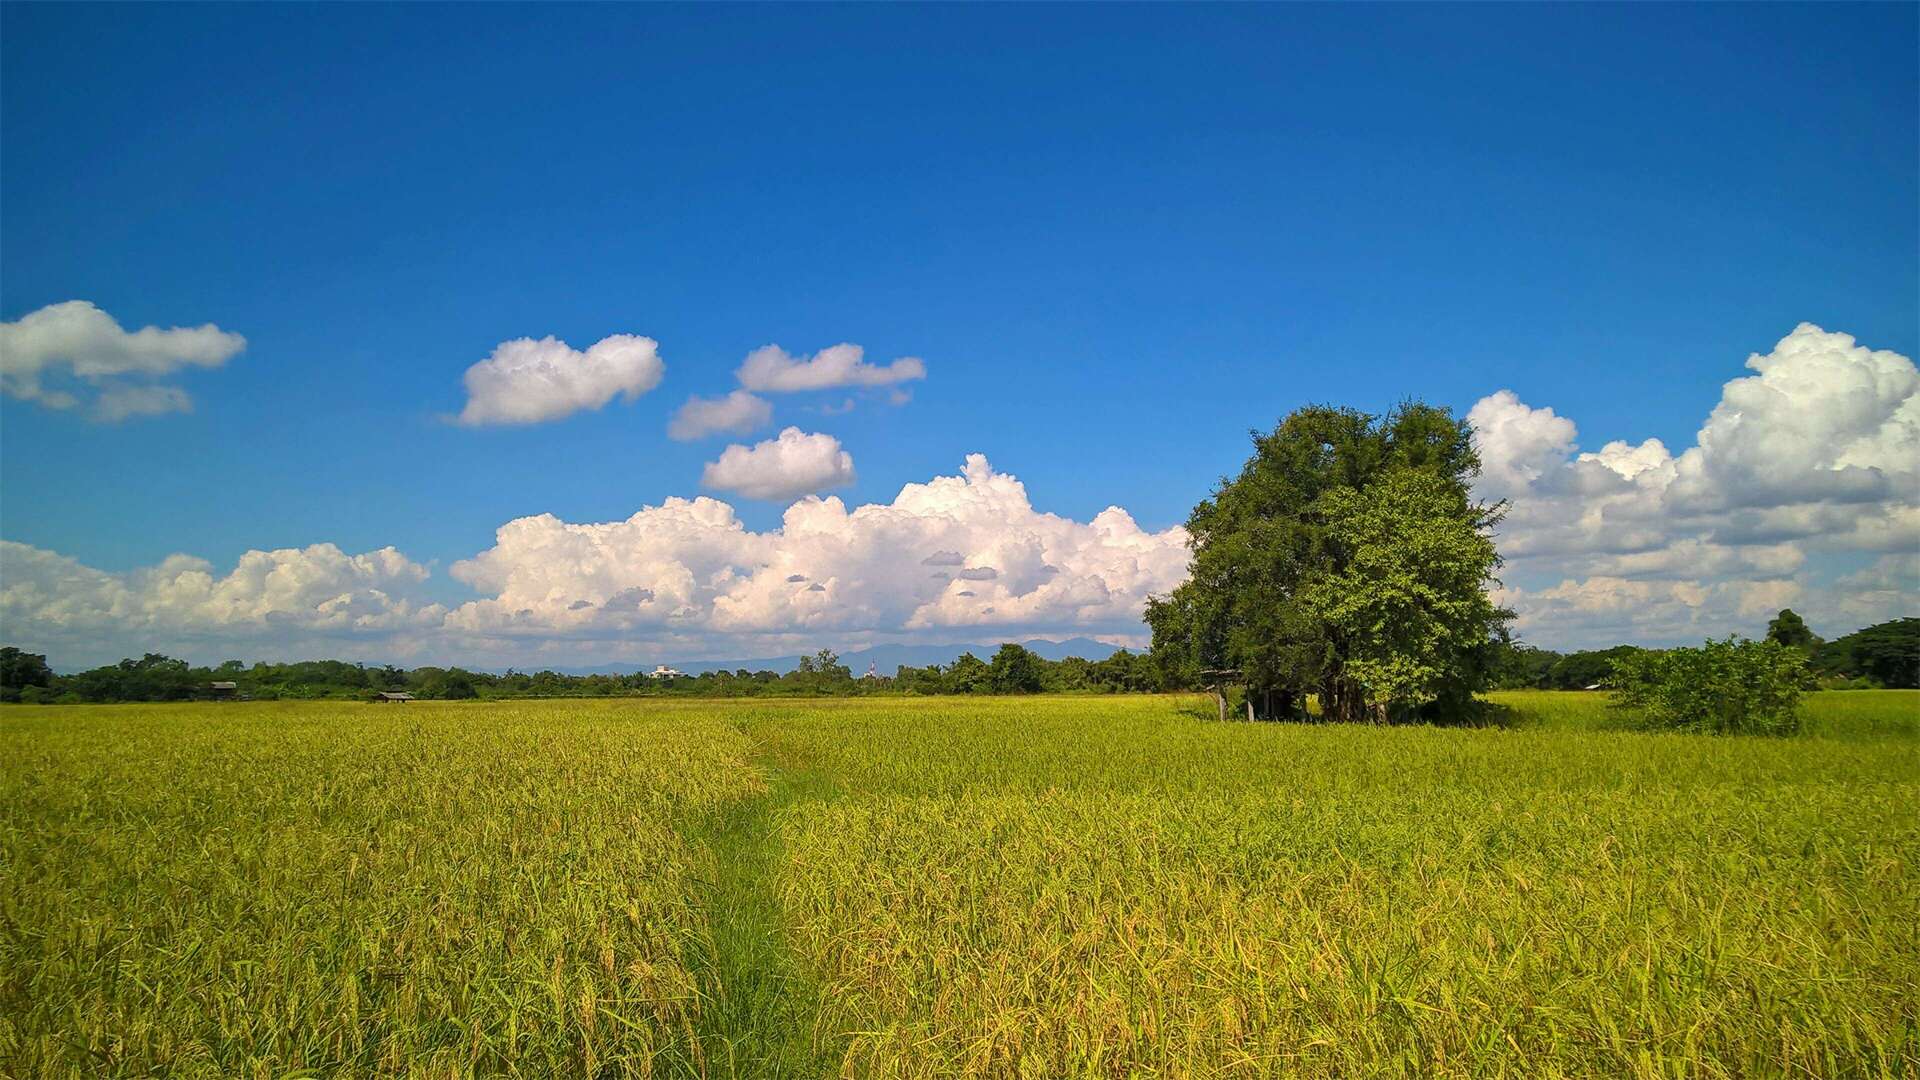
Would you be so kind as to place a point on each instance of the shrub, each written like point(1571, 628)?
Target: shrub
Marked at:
point(1735, 686)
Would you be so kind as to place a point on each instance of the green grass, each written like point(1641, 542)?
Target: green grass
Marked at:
point(949, 887)
point(1833, 714)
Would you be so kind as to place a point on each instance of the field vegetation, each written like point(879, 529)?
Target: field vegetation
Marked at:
point(1034, 886)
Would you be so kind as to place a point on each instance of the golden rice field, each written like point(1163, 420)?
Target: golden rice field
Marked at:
point(1011, 887)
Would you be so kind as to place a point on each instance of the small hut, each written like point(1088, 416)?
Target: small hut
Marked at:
point(1219, 682)
point(223, 691)
point(385, 696)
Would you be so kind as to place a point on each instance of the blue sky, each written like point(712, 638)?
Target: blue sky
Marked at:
point(1118, 237)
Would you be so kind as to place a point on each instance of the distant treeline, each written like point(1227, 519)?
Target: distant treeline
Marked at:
point(1886, 655)
point(1014, 669)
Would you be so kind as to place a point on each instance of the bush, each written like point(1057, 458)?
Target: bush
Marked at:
point(1731, 687)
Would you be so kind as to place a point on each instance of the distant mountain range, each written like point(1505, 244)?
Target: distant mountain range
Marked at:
point(886, 659)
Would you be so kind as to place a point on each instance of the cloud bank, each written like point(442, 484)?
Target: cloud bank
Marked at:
point(1805, 468)
point(529, 382)
point(682, 579)
point(291, 595)
point(77, 341)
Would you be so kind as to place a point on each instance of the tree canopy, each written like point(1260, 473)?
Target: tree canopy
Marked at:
point(1347, 560)
point(1789, 629)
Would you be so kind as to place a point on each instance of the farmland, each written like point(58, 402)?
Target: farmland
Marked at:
point(1042, 886)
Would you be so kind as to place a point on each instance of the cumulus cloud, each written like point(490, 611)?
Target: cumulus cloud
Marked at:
point(77, 340)
point(527, 381)
point(738, 413)
point(49, 599)
point(792, 464)
point(773, 370)
point(1815, 455)
point(827, 568)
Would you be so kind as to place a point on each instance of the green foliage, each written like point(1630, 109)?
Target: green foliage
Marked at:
point(21, 671)
point(1407, 598)
point(1789, 629)
point(159, 678)
point(1348, 560)
point(1731, 687)
point(1887, 654)
point(1016, 670)
point(969, 675)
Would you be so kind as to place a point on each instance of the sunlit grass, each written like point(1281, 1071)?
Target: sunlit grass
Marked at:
point(274, 889)
point(1033, 887)
point(1069, 888)
point(1840, 714)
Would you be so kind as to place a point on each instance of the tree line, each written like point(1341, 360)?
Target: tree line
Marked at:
point(1014, 669)
point(1886, 655)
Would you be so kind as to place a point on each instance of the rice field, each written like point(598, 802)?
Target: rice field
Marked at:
point(1017, 887)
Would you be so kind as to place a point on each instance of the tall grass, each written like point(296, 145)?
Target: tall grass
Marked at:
point(1064, 888)
point(1031, 887)
point(282, 889)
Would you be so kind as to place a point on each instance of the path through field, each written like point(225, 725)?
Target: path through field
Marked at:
point(760, 1003)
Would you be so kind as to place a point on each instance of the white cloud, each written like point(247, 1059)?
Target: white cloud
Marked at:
point(738, 413)
point(780, 468)
point(956, 557)
point(527, 381)
point(689, 568)
point(50, 600)
point(1517, 444)
point(1815, 456)
point(772, 370)
point(79, 340)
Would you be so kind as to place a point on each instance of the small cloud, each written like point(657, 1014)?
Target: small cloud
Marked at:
point(773, 370)
point(117, 401)
point(795, 579)
point(816, 587)
point(76, 338)
point(580, 605)
point(944, 558)
point(979, 573)
point(899, 397)
point(738, 413)
point(628, 599)
point(528, 382)
point(795, 463)
point(964, 592)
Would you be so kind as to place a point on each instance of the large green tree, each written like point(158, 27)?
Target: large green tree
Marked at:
point(1348, 560)
point(1789, 629)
